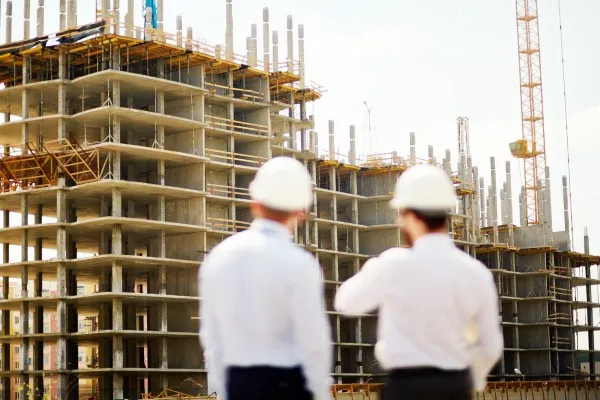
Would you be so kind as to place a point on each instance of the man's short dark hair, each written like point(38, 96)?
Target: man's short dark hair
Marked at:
point(433, 220)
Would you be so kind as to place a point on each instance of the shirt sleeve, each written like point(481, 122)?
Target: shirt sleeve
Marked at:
point(312, 330)
point(209, 336)
point(491, 343)
point(361, 293)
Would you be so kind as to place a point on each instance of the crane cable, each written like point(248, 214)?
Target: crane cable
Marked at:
point(562, 55)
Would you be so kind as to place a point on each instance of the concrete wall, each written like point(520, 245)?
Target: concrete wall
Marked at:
point(179, 108)
point(184, 247)
point(179, 351)
point(180, 318)
point(376, 185)
point(375, 242)
point(184, 142)
point(187, 176)
point(375, 213)
point(188, 211)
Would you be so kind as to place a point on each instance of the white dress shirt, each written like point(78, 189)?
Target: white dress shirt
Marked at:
point(262, 305)
point(427, 296)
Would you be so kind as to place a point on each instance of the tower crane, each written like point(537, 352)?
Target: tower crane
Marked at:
point(532, 147)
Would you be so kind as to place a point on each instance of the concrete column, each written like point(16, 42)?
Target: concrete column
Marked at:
point(275, 51)
point(266, 33)
point(63, 15)
point(116, 10)
point(476, 204)
point(40, 18)
point(254, 45)
point(566, 213)
point(9, 11)
point(482, 203)
point(129, 18)
point(430, 155)
point(72, 13)
point(148, 24)
point(160, 16)
point(523, 207)
point(352, 154)
point(413, 149)
point(331, 140)
point(229, 31)
point(179, 26)
point(548, 200)
point(189, 39)
point(290, 44)
point(25, 101)
point(494, 199)
point(509, 210)
point(26, 19)
point(301, 55)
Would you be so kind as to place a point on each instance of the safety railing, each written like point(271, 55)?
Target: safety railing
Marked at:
point(241, 93)
point(232, 125)
point(235, 158)
point(226, 225)
point(228, 191)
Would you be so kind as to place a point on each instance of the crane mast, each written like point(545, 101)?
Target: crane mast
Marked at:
point(532, 147)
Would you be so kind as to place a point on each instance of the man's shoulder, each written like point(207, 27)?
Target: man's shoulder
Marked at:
point(475, 267)
point(395, 254)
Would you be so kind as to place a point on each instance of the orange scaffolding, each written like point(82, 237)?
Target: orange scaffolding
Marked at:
point(27, 167)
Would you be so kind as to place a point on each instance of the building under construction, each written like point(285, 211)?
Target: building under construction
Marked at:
point(127, 156)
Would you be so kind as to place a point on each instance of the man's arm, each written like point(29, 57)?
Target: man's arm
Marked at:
point(312, 330)
point(491, 343)
point(361, 293)
point(209, 336)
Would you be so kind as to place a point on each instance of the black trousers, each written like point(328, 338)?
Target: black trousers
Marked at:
point(427, 384)
point(266, 383)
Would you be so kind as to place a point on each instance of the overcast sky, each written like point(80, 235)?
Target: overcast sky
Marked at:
point(420, 65)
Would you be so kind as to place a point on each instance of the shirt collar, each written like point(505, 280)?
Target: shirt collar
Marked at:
point(267, 225)
point(432, 240)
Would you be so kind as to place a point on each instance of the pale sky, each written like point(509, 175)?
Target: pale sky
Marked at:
point(420, 65)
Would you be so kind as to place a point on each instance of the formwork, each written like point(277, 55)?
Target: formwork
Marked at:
point(128, 153)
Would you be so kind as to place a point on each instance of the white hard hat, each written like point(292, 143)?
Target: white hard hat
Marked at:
point(424, 188)
point(284, 184)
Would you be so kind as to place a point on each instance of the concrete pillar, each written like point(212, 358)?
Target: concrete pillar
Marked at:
point(160, 16)
point(482, 203)
point(413, 149)
point(179, 25)
point(148, 24)
point(301, 55)
point(249, 50)
point(586, 241)
point(509, 210)
point(9, 11)
point(266, 33)
point(352, 154)
point(494, 199)
point(331, 140)
point(548, 200)
point(253, 45)
point(430, 155)
point(72, 13)
point(40, 18)
point(316, 139)
point(63, 15)
point(447, 162)
point(476, 203)
point(190, 39)
point(290, 44)
point(566, 213)
point(523, 207)
point(275, 51)
point(116, 9)
point(229, 31)
point(129, 18)
point(26, 19)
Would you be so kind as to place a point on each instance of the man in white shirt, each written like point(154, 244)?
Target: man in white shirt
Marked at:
point(263, 324)
point(428, 297)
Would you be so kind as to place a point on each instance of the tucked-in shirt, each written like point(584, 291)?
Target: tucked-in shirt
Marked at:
point(427, 296)
point(262, 304)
